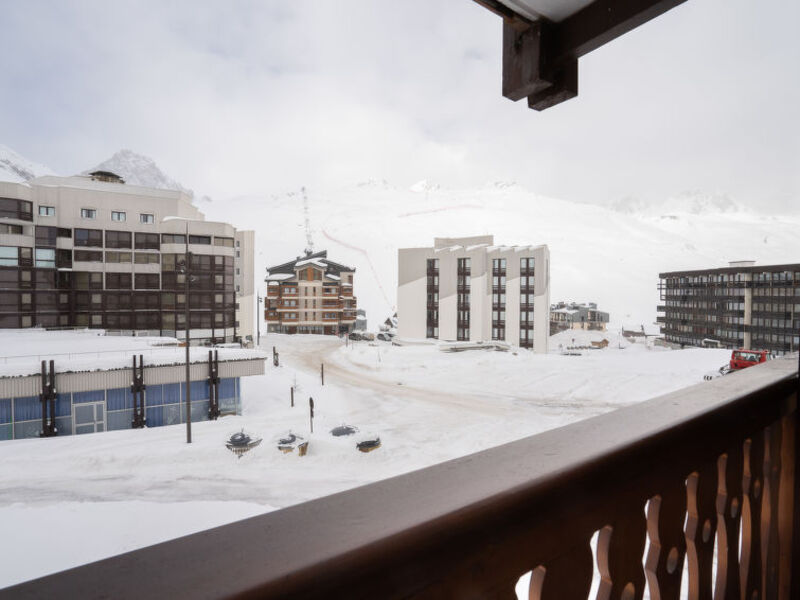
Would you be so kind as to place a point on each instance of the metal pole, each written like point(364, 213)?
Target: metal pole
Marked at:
point(311, 412)
point(292, 392)
point(186, 309)
point(322, 373)
point(258, 319)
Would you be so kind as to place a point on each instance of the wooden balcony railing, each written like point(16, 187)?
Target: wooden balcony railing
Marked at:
point(687, 472)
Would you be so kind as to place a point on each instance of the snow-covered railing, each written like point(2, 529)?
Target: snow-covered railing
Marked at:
point(679, 475)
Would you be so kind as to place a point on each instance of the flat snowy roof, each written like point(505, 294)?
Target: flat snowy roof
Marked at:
point(23, 350)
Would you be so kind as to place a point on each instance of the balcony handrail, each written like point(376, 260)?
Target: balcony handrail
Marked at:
point(470, 527)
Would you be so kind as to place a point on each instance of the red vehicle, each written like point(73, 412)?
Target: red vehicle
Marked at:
point(740, 359)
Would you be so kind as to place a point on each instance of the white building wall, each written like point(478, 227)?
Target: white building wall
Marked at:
point(412, 289)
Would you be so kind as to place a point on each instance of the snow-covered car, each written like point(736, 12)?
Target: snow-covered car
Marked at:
point(355, 336)
point(384, 337)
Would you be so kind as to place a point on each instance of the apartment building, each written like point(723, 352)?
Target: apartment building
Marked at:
point(572, 315)
point(739, 306)
point(92, 251)
point(310, 294)
point(469, 289)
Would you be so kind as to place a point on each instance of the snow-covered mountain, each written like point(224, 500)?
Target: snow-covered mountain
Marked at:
point(137, 169)
point(17, 168)
point(694, 202)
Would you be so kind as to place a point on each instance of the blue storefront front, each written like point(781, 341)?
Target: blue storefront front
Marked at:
point(112, 409)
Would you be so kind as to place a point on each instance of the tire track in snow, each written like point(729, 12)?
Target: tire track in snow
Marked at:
point(372, 268)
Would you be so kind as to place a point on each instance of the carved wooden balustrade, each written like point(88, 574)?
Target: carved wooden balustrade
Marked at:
point(678, 475)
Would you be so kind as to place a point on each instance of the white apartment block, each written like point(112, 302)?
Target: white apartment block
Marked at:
point(92, 251)
point(469, 289)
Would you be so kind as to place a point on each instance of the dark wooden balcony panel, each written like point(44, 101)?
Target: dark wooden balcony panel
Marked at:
point(470, 527)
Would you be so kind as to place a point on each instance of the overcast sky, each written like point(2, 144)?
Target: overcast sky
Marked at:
point(241, 97)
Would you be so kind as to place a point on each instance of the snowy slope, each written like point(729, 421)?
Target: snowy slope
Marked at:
point(598, 254)
point(17, 168)
point(136, 169)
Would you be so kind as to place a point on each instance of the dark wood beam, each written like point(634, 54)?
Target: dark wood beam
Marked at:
point(603, 21)
point(540, 57)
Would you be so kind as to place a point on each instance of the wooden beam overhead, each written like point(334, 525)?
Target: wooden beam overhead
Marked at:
point(540, 57)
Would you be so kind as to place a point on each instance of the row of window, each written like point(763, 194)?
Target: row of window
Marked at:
point(112, 300)
point(136, 320)
point(91, 213)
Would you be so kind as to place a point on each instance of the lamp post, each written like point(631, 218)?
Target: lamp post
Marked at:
point(185, 270)
point(258, 319)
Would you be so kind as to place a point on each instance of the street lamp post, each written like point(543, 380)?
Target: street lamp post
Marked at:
point(186, 318)
point(258, 320)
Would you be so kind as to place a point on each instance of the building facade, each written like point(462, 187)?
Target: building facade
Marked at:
point(571, 315)
point(310, 294)
point(739, 306)
point(469, 289)
point(94, 252)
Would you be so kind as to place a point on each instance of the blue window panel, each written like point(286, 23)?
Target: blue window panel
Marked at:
point(119, 419)
point(172, 393)
point(64, 425)
point(227, 387)
point(155, 416)
point(119, 399)
point(27, 429)
point(63, 405)
point(93, 396)
point(5, 432)
point(199, 390)
point(227, 405)
point(154, 395)
point(200, 410)
point(26, 409)
point(5, 410)
point(172, 414)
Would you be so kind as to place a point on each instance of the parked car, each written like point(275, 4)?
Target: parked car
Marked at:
point(384, 337)
point(355, 336)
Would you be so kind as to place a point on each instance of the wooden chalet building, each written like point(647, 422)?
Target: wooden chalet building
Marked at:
point(310, 294)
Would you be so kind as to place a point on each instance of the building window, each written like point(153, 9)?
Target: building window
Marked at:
point(118, 239)
point(45, 236)
point(89, 237)
point(46, 258)
point(146, 281)
point(118, 257)
point(88, 213)
point(173, 238)
point(146, 241)
point(88, 255)
point(15, 229)
point(200, 239)
point(9, 256)
point(118, 215)
point(223, 241)
point(146, 218)
point(63, 232)
point(146, 258)
point(47, 211)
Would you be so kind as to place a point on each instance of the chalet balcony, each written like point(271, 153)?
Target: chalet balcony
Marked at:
point(273, 291)
point(685, 472)
point(273, 317)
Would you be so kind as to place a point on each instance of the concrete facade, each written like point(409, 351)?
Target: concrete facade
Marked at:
point(81, 252)
point(468, 305)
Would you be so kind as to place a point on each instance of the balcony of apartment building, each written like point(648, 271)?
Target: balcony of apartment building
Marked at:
point(463, 271)
point(332, 304)
point(347, 291)
point(432, 271)
point(273, 291)
point(272, 316)
point(526, 306)
point(498, 305)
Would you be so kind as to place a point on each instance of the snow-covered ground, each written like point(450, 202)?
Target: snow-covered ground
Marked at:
point(121, 490)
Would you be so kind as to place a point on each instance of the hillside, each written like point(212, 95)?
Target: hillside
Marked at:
point(598, 254)
point(18, 169)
